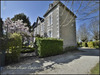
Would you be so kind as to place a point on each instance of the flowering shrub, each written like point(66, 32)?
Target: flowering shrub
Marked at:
point(17, 27)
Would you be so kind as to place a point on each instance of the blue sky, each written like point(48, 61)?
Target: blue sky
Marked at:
point(33, 9)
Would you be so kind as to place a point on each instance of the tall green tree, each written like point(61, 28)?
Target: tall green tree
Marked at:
point(22, 16)
point(1, 29)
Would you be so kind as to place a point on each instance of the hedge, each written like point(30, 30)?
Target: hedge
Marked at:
point(14, 48)
point(49, 46)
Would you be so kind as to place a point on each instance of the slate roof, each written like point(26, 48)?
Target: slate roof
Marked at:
point(55, 3)
point(35, 24)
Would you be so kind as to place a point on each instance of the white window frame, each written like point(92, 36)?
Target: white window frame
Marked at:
point(37, 29)
point(34, 31)
point(50, 19)
point(49, 33)
point(42, 27)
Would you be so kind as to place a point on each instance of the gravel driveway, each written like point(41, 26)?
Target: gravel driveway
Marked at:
point(68, 63)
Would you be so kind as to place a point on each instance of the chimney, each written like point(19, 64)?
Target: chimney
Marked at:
point(56, 1)
point(50, 6)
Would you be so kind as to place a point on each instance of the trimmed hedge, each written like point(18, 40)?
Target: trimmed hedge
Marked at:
point(49, 46)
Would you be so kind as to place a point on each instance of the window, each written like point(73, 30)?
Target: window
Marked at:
point(42, 27)
point(38, 22)
point(34, 31)
point(37, 29)
point(49, 34)
point(50, 20)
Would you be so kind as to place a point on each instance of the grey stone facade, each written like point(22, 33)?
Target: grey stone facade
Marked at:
point(58, 22)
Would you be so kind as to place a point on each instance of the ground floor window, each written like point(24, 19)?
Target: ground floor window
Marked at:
point(49, 33)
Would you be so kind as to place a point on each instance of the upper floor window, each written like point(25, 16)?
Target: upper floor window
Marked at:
point(38, 21)
point(37, 29)
point(42, 27)
point(50, 20)
point(34, 31)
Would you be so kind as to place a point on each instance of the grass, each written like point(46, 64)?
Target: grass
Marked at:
point(95, 70)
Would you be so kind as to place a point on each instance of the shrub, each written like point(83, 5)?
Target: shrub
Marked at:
point(90, 44)
point(27, 50)
point(3, 43)
point(70, 48)
point(2, 50)
point(79, 44)
point(49, 46)
point(84, 44)
point(96, 44)
point(14, 47)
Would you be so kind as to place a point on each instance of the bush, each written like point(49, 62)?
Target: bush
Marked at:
point(84, 44)
point(90, 44)
point(96, 44)
point(14, 48)
point(71, 48)
point(2, 50)
point(49, 46)
point(79, 44)
point(27, 50)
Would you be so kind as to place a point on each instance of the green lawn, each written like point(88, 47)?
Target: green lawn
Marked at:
point(95, 70)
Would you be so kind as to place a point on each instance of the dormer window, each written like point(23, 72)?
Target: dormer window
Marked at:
point(38, 22)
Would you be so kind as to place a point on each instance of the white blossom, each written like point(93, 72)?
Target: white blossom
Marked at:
point(17, 26)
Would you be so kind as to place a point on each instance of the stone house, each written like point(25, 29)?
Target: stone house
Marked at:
point(58, 22)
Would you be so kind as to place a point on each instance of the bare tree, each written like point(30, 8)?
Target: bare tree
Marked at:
point(94, 28)
point(83, 33)
point(77, 36)
point(86, 10)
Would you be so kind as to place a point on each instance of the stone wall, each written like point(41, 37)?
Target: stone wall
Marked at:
point(67, 27)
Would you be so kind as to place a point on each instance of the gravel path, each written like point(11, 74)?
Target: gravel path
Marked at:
point(68, 63)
